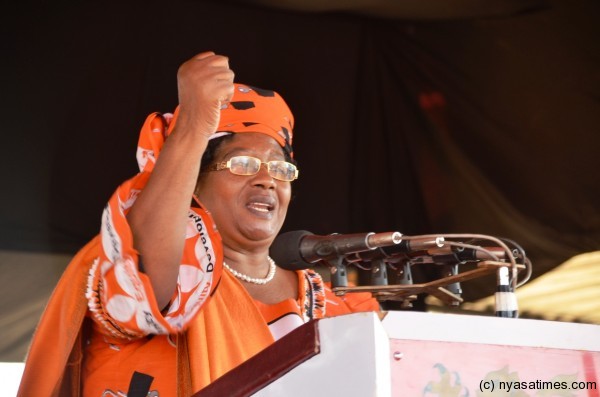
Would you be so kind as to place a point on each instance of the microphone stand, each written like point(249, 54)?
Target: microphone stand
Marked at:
point(404, 277)
point(339, 276)
point(379, 272)
point(499, 259)
point(452, 270)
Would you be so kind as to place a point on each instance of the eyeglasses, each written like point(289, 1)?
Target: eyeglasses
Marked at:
point(247, 165)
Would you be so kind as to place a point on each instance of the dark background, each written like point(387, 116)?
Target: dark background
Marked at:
point(482, 118)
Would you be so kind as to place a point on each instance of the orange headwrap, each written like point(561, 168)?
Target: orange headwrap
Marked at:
point(257, 110)
point(251, 110)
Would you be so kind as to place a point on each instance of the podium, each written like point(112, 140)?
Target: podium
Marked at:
point(339, 356)
point(422, 354)
point(464, 355)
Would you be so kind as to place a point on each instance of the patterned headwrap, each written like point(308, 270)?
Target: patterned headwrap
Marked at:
point(257, 110)
point(251, 110)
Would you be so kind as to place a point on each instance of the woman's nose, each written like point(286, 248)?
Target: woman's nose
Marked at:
point(262, 177)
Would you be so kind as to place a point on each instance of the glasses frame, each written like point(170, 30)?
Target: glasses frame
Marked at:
point(223, 165)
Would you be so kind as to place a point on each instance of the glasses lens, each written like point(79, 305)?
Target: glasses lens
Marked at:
point(278, 169)
point(282, 170)
point(244, 165)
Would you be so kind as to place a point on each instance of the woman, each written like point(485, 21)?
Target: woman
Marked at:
point(178, 294)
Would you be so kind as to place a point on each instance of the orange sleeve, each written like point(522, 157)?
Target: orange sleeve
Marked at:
point(120, 296)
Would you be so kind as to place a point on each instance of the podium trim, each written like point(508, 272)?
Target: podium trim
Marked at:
point(268, 365)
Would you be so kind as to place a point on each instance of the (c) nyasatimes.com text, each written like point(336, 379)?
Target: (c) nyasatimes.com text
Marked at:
point(491, 385)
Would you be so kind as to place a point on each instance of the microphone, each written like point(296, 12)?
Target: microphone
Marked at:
point(300, 249)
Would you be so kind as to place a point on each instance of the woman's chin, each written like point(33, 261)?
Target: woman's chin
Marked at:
point(266, 234)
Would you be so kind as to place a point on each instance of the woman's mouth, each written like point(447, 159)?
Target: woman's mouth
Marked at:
point(260, 207)
point(261, 204)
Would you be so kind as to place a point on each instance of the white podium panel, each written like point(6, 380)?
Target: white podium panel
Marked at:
point(353, 361)
point(10, 377)
point(459, 355)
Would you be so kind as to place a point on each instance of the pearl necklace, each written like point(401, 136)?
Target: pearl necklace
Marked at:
point(248, 279)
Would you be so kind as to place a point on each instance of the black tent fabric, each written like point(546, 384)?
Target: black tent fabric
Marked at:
point(481, 124)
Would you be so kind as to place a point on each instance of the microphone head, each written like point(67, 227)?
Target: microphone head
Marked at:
point(285, 250)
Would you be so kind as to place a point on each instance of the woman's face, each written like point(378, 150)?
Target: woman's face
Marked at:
point(248, 210)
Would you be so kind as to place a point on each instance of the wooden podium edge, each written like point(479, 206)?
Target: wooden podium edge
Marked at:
point(268, 365)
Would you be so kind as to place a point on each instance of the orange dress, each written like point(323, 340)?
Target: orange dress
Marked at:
point(219, 338)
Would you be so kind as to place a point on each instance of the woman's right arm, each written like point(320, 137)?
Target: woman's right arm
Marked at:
point(158, 218)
